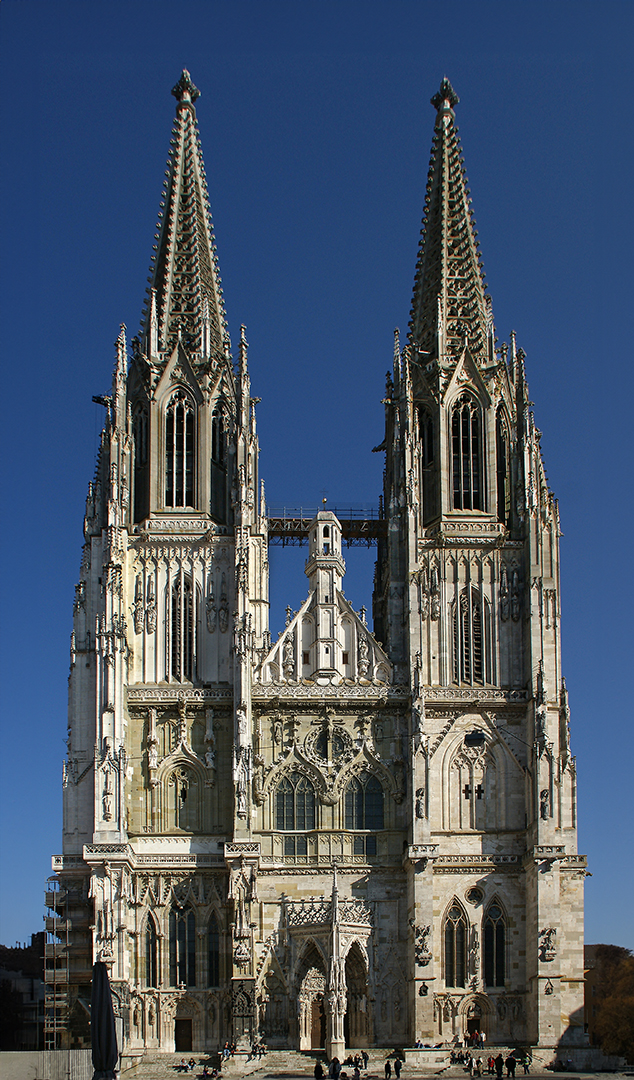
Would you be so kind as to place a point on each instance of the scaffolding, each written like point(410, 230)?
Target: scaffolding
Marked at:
point(56, 970)
point(360, 526)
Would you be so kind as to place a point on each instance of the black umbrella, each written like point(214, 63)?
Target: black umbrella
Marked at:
point(105, 1053)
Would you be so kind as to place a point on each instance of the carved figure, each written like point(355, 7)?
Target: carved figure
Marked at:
point(150, 608)
point(544, 804)
point(504, 595)
point(547, 951)
point(422, 952)
point(288, 661)
point(138, 610)
point(210, 609)
point(364, 662)
point(420, 802)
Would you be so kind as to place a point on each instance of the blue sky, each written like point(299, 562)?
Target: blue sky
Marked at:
point(316, 128)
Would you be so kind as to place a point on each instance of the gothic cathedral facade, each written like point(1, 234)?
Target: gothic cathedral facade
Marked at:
point(349, 836)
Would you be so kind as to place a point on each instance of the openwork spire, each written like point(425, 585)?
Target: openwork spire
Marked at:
point(185, 292)
point(449, 306)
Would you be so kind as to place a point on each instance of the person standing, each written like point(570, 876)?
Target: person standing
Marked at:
point(388, 1069)
point(499, 1066)
point(510, 1066)
point(397, 1067)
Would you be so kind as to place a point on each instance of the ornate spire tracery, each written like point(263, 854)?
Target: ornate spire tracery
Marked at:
point(449, 306)
point(185, 274)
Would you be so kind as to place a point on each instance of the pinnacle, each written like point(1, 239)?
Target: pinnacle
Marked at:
point(184, 270)
point(445, 94)
point(449, 305)
point(185, 91)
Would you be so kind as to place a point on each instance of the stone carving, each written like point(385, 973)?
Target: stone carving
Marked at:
point(515, 597)
point(504, 595)
point(422, 951)
point(548, 988)
point(139, 607)
point(420, 802)
point(363, 662)
point(150, 608)
point(211, 613)
point(474, 953)
point(547, 950)
point(423, 990)
point(223, 613)
point(544, 804)
point(434, 589)
point(210, 739)
point(288, 654)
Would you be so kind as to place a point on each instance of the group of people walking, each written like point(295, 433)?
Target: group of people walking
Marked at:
point(493, 1066)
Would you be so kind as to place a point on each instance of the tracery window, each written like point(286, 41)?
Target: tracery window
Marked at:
point(455, 947)
point(179, 451)
point(213, 952)
point(363, 804)
point(151, 954)
point(218, 467)
point(183, 801)
point(466, 451)
point(182, 629)
point(470, 628)
point(503, 470)
point(494, 946)
point(295, 803)
point(182, 936)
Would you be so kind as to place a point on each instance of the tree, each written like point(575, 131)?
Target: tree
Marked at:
point(614, 1021)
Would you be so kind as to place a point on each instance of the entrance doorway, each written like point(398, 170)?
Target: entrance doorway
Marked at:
point(183, 1034)
point(317, 1023)
point(473, 1024)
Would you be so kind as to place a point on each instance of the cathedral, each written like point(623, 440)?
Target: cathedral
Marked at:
point(363, 833)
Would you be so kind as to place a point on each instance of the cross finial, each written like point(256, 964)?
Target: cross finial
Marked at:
point(445, 94)
point(185, 91)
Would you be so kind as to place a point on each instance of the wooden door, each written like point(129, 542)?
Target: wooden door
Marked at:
point(182, 1034)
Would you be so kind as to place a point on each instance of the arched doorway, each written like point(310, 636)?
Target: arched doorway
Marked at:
point(311, 1001)
point(356, 1023)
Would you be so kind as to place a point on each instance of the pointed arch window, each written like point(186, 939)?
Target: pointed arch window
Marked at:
point(363, 804)
point(182, 629)
point(428, 455)
point(179, 451)
point(455, 947)
point(182, 934)
point(503, 469)
point(470, 637)
point(295, 803)
point(151, 954)
point(218, 467)
point(466, 451)
point(213, 952)
point(140, 432)
point(494, 946)
point(183, 799)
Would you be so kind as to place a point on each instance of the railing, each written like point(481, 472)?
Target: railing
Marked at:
point(360, 525)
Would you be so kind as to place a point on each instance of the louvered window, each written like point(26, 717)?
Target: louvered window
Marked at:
point(179, 451)
point(466, 448)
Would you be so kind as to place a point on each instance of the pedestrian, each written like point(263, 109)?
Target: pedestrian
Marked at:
point(365, 1059)
point(397, 1067)
point(388, 1069)
point(510, 1066)
point(526, 1062)
point(499, 1066)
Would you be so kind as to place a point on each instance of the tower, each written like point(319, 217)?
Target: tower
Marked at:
point(349, 836)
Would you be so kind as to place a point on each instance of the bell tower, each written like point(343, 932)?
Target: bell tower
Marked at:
point(467, 604)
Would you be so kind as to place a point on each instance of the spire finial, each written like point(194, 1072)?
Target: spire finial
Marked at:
point(185, 92)
point(445, 94)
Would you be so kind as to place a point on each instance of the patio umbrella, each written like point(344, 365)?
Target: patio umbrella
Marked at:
point(105, 1053)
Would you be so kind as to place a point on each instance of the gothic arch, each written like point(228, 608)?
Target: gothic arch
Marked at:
point(467, 441)
point(455, 943)
point(296, 762)
point(470, 620)
point(151, 938)
point(179, 441)
point(181, 784)
point(495, 944)
point(365, 761)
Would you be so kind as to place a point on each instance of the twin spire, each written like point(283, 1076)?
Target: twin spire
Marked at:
point(449, 305)
point(185, 295)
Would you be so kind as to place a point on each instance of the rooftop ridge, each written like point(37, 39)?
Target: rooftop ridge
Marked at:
point(449, 303)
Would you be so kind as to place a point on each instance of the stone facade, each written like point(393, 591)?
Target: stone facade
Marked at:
point(348, 837)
